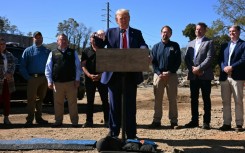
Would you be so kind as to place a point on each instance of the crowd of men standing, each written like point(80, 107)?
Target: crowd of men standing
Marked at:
point(60, 70)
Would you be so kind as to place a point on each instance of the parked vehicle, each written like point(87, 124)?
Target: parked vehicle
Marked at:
point(21, 83)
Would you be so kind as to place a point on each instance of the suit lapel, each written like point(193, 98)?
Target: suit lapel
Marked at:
point(192, 45)
point(117, 36)
point(226, 52)
point(130, 35)
point(236, 47)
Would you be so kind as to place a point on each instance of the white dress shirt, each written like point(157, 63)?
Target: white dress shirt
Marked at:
point(231, 49)
point(197, 46)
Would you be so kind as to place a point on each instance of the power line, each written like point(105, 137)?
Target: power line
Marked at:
point(108, 21)
point(107, 15)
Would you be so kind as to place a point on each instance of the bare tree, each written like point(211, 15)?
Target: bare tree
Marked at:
point(233, 11)
point(86, 38)
point(29, 34)
point(6, 27)
point(82, 32)
point(68, 27)
point(13, 29)
point(4, 24)
point(77, 33)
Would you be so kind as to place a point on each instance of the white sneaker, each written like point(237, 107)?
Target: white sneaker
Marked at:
point(6, 120)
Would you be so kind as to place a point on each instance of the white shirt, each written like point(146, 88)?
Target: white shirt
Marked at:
point(231, 49)
point(197, 46)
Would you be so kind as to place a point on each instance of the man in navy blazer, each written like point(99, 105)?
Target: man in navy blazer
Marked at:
point(199, 57)
point(232, 76)
point(113, 80)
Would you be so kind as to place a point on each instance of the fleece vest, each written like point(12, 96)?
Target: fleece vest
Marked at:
point(64, 68)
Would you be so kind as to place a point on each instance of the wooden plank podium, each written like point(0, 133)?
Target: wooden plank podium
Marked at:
point(122, 60)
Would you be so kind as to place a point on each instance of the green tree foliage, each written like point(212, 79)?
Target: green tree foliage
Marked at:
point(182, 65)
point(6, 27)
point(218, 41)
point(76, 33)
point(217, 29)
point(233, 11)
point(218, 34)
point(68, 27)
point(189, 31)
point(4, 24)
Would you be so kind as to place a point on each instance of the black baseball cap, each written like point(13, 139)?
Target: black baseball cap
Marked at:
point(37, 33)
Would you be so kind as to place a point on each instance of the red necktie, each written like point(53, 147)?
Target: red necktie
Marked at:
point(124, 38)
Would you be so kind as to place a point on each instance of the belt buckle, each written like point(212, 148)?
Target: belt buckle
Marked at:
point(35, 75)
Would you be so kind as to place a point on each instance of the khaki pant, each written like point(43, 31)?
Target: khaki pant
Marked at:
point(228, 88)
point(171, 86)
point(65, 90)
point(36, 88)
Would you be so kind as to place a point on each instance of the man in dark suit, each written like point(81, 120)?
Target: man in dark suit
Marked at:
point(199, 56)
point(115, 38)
point(232, 76)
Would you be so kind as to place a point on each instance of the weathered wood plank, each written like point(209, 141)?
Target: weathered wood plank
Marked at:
point(122, 60)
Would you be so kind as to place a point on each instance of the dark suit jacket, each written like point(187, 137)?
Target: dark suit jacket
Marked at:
point(112, 40)
point(204, 59)
point(237, 61)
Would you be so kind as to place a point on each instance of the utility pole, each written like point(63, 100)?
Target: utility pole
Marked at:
point(107, 15)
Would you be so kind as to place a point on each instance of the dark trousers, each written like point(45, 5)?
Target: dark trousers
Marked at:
point(5, 98)
point(90, 91)
point(115, 95)
point(205, 86)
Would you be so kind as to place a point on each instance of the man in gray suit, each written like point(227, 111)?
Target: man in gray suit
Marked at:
point(199, 56)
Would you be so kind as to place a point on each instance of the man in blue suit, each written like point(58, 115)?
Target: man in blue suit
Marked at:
point(232, 76)
point(114, 39)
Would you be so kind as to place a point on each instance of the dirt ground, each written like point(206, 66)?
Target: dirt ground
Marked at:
point(194, 140)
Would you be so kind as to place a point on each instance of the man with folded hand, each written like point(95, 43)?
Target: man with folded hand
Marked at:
point(92, 80)
point(32, 68)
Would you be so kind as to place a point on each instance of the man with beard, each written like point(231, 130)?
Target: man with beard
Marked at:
point(166, 59)
point(32, 67)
